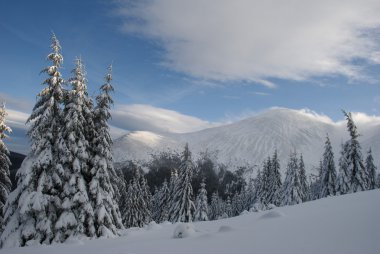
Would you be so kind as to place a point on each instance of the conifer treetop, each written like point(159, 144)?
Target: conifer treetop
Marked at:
point(3, 127)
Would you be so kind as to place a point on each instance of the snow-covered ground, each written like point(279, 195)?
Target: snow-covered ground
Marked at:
point(345, 224)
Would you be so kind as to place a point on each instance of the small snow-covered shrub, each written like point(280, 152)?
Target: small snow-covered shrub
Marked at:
point(223, 216)
point(257, 207)
point(245, 212)
point(183, 230)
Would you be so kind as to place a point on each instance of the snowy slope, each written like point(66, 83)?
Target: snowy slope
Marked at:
point(253, 139)
point(345, 224)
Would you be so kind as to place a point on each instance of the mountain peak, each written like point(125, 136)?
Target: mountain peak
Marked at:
point(253, 139)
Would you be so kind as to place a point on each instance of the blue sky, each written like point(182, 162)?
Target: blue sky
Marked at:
point(198, 63)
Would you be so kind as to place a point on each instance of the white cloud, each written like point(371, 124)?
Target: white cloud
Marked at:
point(360, 119)
point(363, 119)
point(16, 118)
point(315, 116)
point(148, 118)
point(255, 40)
point(260, 93)
point(16, 103)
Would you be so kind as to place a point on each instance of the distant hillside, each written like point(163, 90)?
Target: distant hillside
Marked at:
point(251, 140)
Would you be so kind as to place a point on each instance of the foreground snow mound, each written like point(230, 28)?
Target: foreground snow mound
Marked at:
point(271, 215)
point(224, 228)
point(347, 224)
point(183, 230)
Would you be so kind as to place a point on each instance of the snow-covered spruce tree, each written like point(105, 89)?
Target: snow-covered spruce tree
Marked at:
point(272, 181)
point(163, 202)
point(258, 183)
point(102, 140)
point(303, 180)
point(77, 217)
point(265, 182)
point(238, 203)
point(274, 190)
point(328, 177)
point(136, 212)
point(315, 183)
point(132, 214)
point(32, 209)
point(214, 209)
point(201, 204)
point(156, 212)
point(172, 186)
point(292, 189)
point(104, 182)
point(354, 157)
point(250, 194)
point(371, 170)
point(182, 206)
point(343, 184)
point(228, 208)
point(147, 199)
point(5, 181)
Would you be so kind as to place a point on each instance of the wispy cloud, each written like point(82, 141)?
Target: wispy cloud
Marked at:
point(16, 103)
point(256, 40)
point(148, 118)
point(260, 93)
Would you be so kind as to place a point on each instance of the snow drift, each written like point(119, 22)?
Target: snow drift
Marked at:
point(342, 224)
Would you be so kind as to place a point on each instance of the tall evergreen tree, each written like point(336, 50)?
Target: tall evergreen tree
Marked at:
point(146, 199)
point(163, 203)
point(132, 214)
point(102, 140)
point(356, 168)
point(182, 206)
point(250, 194)
point(266, 181)
point(5, 181)
point(201, 204)
point(77, 218)
point(303, 179)
point(276, 183)
point(156, 212)
point(258, 183)
point(136, 212)
point(214, 210)
point(292, 189)
point(371, 170)
point(315, 183)
point(105, 183)
point(328, 177)
point(34, 206)
point(343, 181)
point(228, 209)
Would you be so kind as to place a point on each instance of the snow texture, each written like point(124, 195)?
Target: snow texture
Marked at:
point(183, 230)
point(345, 224)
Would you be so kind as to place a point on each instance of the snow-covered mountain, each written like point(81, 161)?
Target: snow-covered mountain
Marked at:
point(251, 140)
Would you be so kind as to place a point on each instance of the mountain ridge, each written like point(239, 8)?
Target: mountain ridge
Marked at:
point(251, 140)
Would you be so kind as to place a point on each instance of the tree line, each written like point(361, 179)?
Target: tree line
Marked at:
point(209, 191)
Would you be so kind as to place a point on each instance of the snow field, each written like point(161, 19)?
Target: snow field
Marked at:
point(343, 224)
